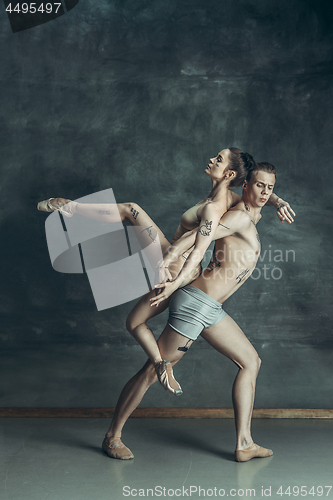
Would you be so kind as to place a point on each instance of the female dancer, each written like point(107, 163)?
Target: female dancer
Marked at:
point(228, 169)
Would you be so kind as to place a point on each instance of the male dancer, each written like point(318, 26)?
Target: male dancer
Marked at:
point(197, 309)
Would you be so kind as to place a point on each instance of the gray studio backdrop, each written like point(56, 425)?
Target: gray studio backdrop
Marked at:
point(135, 96)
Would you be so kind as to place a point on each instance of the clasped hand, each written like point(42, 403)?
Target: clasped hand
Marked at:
point(164, 291)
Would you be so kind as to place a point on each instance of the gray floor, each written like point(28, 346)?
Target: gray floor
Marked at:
point(61, 459)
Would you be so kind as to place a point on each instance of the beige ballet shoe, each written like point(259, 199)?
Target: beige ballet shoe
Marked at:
point(115, 448)
point(253, 451)
point(165, 376)
point(65, 207)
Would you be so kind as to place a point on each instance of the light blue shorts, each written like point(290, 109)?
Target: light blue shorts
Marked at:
point(191, 310)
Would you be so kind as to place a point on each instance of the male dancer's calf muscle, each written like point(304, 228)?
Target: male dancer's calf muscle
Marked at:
point(169, 344)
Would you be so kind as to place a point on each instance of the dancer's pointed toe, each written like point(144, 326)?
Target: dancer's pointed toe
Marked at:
point(62, 205)
point(165, 376)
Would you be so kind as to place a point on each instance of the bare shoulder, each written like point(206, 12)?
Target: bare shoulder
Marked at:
point(236, 218)
point(213, 209)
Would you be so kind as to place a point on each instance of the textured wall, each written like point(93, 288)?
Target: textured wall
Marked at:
point(136, 95)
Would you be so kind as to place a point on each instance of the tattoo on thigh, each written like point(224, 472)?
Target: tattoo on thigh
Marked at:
point(185, 348)
point(242, 275)
point(134, 212)
point(206, 228)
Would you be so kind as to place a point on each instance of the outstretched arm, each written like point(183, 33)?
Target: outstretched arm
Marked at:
point(284, 210)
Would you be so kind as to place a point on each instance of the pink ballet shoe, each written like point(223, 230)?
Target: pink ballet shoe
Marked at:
point(165, 376)
point(65, 207)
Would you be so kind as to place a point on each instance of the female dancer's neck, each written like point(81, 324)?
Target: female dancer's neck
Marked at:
point(219, 190)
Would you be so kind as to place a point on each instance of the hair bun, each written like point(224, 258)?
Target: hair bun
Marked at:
point(249, 162)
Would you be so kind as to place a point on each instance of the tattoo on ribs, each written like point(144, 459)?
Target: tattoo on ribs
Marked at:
point(134, 212)
point(242, 275)
point(213, 263)
point(206, 228)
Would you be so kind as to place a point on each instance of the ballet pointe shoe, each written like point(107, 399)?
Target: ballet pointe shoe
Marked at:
point(65, 207)
point(253, 451)
point(165, 376)
point(115, 448)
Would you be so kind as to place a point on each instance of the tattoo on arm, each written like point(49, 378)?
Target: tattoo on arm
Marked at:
point(104, 212)
point(242, 275)
point(206, 228)
point(134, 212)
point(224, 226)
point(150, 231)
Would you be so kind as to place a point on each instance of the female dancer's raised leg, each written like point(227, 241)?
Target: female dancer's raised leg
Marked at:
point(110, 213)
point(135, 389)
point(228, 339)
point(142, 312)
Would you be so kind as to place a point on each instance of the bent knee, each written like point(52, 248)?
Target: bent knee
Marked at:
point(132, 324)
point(256, 363)
point(253, 363)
